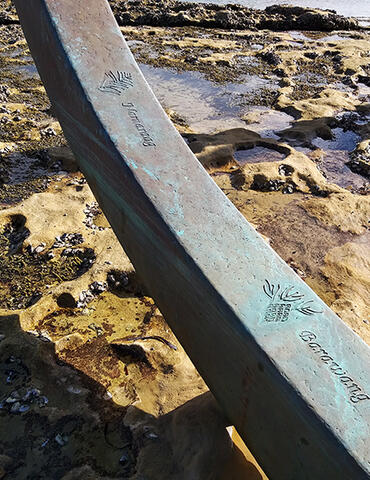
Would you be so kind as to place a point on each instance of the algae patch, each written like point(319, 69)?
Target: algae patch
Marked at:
point(27, 273)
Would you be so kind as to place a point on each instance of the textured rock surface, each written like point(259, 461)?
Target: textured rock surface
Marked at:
point(180, 14)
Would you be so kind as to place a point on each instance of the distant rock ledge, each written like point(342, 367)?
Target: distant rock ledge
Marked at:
point(174, 13)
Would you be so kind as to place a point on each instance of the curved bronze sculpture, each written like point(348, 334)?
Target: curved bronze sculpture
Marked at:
point(290, 374)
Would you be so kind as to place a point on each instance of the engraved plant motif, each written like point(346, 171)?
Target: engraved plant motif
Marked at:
point(288, 296)
point(117, 82)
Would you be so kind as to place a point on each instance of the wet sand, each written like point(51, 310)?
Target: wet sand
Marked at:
point(93, 382)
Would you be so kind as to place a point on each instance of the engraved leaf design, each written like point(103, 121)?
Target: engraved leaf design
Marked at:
point(116, 82)
point(307, 309)
point(271, 290)
point(289, 295)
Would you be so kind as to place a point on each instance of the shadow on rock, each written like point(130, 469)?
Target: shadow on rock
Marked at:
point(57, 422)
point(54, 421)
point(189, 442)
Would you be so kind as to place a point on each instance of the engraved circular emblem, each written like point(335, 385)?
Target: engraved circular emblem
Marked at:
point(285, 301)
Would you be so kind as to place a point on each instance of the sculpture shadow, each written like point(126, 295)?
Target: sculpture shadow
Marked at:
point(55, 422)
point(63, 420)
point(190, 442)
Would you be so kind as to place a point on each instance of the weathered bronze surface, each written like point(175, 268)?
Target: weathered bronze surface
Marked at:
point(292, 377)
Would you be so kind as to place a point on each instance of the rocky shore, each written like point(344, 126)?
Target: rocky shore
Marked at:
point(172, 13)
point(275, 104)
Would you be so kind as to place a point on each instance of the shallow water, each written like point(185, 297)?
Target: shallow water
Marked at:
point(21, 168)
point(206, 106)
point(316, 36)
point(29, 71)
point(257, 155)
point(332, 38)
point(343, 140)
point(336, 153)
point(363, 92)
point(355, 8)
point(268, 121)
point(334, 167)
point(11, 52)
point(311, 79)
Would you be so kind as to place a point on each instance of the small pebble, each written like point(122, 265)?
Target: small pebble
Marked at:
point(13, 398)
point(42, 401)
point(40, 248)
point(15, 407)
point(61, 439)
point(23, 408)
point(151, 435)
point(124, 459)
point(75, 390)
point(107, 396)
point(68, 240)
point(48, 132)
point(31, 395)
point(10, 376)
point(91, 211)
point(288, 189)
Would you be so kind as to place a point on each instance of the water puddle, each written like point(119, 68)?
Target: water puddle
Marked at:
point(134, 43)
point(266, 121)
point(300, 36)
point(258, 155)
point(364, 21)
point(22, 169)
point(363, 92)
point(316, 36)
point(257, 46)
point(206, 106)
point(343, 140)
point(246, 60)
point(341, 87)
point(336, 154)
point(139, 47)
point(311, 79)
point(11, 53)
point(28, 71)
point(332, 38)
point(333, 166)
point(20, 54)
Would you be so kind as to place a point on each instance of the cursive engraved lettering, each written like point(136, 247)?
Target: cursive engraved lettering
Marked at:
point(147, 140)
point(355, 392)
point(306, 336)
